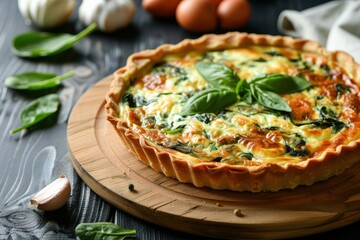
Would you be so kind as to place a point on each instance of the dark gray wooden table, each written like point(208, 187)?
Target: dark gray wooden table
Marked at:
point(30, 161)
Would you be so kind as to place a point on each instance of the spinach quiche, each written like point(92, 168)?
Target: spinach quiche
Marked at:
point(240, 111)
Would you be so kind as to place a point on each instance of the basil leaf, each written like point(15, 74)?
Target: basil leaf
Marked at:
point(35, 80)
point(38, 110)
point(208, 101)
point(35, 44)
point(217, 75)
point(243, 90)
point(269, 99)
point(281, 83)
point(102, 230)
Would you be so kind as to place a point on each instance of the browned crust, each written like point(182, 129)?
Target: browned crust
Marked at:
point(267, 177)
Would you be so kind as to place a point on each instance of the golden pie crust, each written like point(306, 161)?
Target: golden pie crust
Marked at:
point(267, 176)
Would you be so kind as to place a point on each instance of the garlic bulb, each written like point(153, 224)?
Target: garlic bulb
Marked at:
point(46, 13)
point(109, 15)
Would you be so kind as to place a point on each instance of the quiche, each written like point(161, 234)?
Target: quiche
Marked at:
point(238, 111)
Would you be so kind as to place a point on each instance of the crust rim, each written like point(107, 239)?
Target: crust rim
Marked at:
point(266, 177)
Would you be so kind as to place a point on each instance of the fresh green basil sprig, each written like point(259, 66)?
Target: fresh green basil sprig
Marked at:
point(265, 88)
point(102, 230)
point(38, 110)
point(35, 80)
point(223, 82)
point(226, 86)
point(42, 44)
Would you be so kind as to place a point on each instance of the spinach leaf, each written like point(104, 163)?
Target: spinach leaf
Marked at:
point(35, 80)
point(204, 117)
point(273, 53)
point(341, 89)
point(38, 110)
point(102, 230)
point(269, 99)
point(176, 130)
point(280, 83)
point(294, 140)
point(129, 99)
point(181, 148)
point(247, 155)
point(302, 152)
point(142, 101)
point(208, 101)
point(218, 75)
point(35, 44)
point(217, 159)
point(329, 117)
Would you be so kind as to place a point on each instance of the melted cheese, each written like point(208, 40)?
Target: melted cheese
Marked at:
point(322, 117)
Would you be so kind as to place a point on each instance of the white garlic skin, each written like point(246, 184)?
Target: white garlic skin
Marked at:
point(46, 13)
point(109, 15)
point(53, 196)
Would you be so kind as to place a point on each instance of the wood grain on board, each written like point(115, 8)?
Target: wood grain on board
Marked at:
point(106, 165)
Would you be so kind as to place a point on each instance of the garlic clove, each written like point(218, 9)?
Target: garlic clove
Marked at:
point(89, 11)
point(109, 15)
point(57, 13)
point(24, 9)
point(117, 16)
point(46, 13)
point(53, 196)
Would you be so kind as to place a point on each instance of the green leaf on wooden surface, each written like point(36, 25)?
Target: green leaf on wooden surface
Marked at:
point(102, 231)
point(35, 80)
point(38, 110)
point(42, 44)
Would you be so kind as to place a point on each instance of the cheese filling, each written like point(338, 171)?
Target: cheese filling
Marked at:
point(323, 116)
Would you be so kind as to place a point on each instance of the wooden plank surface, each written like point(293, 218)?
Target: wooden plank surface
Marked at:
point(29, 161)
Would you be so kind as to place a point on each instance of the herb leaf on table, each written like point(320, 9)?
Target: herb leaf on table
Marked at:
point(102, 230)
point(42, 44)
point(35, 80)
point(38, 110)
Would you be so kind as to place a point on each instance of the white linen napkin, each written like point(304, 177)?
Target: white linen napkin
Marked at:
point(336, 25)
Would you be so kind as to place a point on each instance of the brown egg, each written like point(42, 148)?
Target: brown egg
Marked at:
point(161, 8)
point(197, 15)
point(216, 2)
point(233, 14)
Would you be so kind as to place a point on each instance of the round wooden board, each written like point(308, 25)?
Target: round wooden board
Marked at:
point(108, 168)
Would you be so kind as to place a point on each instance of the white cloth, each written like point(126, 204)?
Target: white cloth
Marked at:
point(336, 25)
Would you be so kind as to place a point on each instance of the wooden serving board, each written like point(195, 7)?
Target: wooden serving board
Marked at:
point(108, 168)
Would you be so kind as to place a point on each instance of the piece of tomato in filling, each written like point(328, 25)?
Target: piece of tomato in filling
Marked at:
point(302, 108)
point(152, 82)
